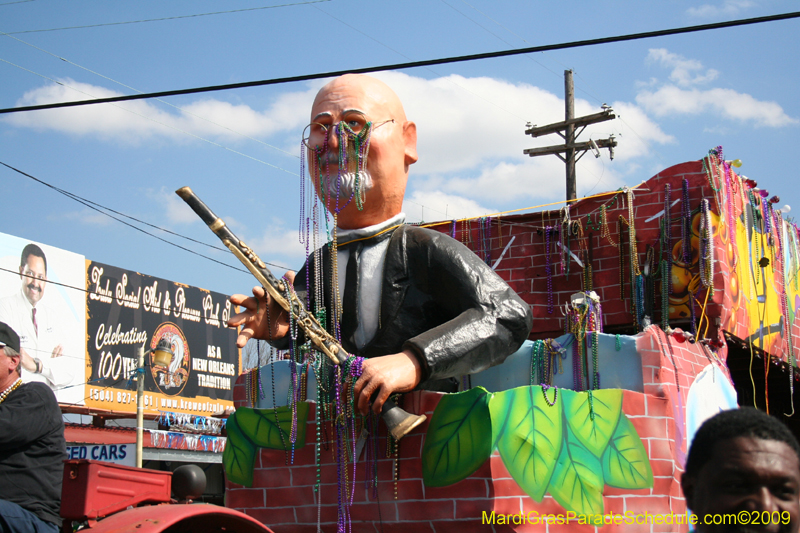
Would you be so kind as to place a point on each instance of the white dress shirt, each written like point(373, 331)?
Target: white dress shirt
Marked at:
point(370, 275)
point(17, 312)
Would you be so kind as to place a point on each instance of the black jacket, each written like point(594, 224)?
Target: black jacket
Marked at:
point(442, 302)
point(32, 451)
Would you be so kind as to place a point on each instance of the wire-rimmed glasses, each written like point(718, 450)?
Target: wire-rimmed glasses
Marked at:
point(315, 135)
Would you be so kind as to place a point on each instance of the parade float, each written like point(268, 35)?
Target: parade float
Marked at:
point(655, 306)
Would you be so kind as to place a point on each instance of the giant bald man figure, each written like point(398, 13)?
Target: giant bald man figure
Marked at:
point(427, 309)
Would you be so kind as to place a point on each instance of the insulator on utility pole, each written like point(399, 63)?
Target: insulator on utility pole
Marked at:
point(572, 151)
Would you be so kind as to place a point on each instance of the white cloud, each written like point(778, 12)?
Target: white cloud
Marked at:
point(683, 70)
point(438, 205)
point(471, 138)
point(682, 97)
point(637, 132)
point(726, 9)
point(471, 142)
point(717, 130)
point(278, 244)
point(463, 122)
point(507, 181)
point(175, 209)
point(727, 103)
point(233, 223)
point(87, 216)
point(649, 83)
point(525, 184)
point(138, 120)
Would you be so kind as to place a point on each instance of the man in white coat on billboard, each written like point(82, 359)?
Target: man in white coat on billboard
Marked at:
point(38, 324)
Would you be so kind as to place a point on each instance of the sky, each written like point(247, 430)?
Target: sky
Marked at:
point(675, 97)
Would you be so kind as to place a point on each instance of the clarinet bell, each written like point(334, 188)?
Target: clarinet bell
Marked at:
point(399, 422)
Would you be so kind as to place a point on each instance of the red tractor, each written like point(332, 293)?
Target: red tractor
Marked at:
point(103, 497)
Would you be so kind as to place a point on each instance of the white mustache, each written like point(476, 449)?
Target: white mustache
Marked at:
point(331, 158)
point(347, 184)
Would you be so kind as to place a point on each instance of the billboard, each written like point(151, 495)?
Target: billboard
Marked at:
point(42, 295)
point(126, 310)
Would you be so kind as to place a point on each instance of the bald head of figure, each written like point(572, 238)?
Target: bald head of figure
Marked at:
point(355, 100)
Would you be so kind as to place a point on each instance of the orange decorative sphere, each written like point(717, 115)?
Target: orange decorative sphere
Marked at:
point(714, 224)
point(681, 276)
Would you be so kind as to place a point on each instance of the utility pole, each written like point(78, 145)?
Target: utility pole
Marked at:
point(572, 150)
point(569, 134)
point(139, 404)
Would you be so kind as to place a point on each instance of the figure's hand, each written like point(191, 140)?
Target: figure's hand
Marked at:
point(58, 351)
point(262, 317)
point(399, 372)
point(27, 361)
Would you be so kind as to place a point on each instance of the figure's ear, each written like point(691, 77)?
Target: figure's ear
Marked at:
point(410, 139)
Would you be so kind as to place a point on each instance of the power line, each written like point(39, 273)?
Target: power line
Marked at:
point(79, 289)
point(165, 18)
point(490, 18)
point(583, 165)
point(415, 64)
point(75, 197)
point(558, 75)
point(198, 116)
point(590, 93)
point(190, 134)
point(88, 202)
point(508, 30)
point(45, 353)
point(487, 30)
point(138, 91)
point(354, 28)
point(82, 200)
point(99, 208)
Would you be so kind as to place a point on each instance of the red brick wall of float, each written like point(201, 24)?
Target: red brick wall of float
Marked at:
point(746, 298)
point(283, 496)
point(524, 265)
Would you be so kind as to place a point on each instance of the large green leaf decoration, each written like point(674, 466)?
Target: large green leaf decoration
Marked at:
point(593, 419)
point(459, 438)
point(577, 482)
point(625, 462)
point(249, 429)
point(529, 434)
point(239, 455)
point(271, 428)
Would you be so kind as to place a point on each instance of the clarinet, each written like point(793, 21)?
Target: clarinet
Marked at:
point(398, 421)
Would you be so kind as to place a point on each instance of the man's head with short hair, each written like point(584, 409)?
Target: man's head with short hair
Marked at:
point(35, 250)
point(33, 272)
point(11, 352)
point(743, 460)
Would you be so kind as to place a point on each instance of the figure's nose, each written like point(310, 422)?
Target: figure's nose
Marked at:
point(764, 500)
point(329, 155)
point(333, 139)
